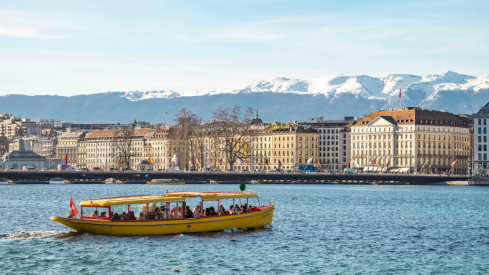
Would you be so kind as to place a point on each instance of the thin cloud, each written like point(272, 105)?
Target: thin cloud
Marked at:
point(16, 26)
point(253, 35)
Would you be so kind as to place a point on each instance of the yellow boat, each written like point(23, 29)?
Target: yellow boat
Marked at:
point(171, 217)
point(165, 181)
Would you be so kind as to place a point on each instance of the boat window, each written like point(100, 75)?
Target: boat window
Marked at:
point(94, 212)
point(120, 212)
point(174, 209)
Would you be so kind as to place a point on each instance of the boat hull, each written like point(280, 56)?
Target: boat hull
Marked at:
point(134, 228)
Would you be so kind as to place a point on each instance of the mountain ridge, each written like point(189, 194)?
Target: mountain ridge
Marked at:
point(280, 98)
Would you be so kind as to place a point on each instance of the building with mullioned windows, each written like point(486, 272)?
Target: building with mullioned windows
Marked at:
point(410, 140)
point(481, 155)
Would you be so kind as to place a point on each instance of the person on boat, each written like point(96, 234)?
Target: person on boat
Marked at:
point(158, 213)
point(222, 211)
point(123, 216)
point(115, 217)
point(231, 209)
point(196, 212)
point(212, 211)
point(94, 214)
point(243, 208)
point(173, 212)
point(132, 217)
point(141, 216)
point(103, 214)
point(236, 210)
point(188, 213)
point(152, 210)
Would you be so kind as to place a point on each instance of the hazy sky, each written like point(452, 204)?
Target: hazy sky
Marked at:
point(77, 47)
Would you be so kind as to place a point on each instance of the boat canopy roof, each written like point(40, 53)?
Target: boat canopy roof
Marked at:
point(215, 195)
point(129, 200)
point(176, 196)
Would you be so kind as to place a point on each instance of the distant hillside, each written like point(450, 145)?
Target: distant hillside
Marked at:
point(278, 99)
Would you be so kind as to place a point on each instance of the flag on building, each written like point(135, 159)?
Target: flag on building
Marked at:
point(279, 164)
point(387, 165)
point(455, 162)
point(348, 165)
point(319, 164)
point(197, 161)
point(266, 161)
point(66, 159)
point(150, 161)
point(73, 211)
point(240, 161)
point(120, 160)
point(174, 159)
point(309, 160)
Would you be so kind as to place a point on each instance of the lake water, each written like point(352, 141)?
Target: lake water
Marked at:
point(317, 229)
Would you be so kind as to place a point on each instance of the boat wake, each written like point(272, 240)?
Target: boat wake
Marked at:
point(269, 225)
point(235, 230)
point(30, 235)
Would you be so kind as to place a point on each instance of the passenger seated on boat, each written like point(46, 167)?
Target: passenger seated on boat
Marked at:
point(188, 213)
point(212, 211)
point(221, 211)
point(141, 216)
point(236, 210)
point(196, 212)
point(173, 212)
point(132, 217)
point(115, 217)
point(243, 208)
point(103, 214)
point(152, 210)
point(207, 212)
point(158, 213)
point(123, 216)
point(231, 210)
point(94, 214)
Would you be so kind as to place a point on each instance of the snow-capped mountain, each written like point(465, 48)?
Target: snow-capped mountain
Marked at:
point(280, 99)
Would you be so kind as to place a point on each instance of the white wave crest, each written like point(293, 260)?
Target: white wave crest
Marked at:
point(235, 230)
point(269, 225)
point(29, 235)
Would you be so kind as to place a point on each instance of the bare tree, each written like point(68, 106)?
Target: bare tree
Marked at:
point(125, 143)
point(231, 131)
point(183, 136)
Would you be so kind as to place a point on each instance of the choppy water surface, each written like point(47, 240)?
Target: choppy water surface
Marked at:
point(317, 229)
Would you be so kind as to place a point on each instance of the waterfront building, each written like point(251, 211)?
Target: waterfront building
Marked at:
point(4, 146)
point(410, 139)
point(106, 148)
point(68, 143)
point(49, 147)
point(159, 149)
point(480, 140)
point(17, 159)
point(11, 126)
point(289, 144)
point(48, 123)
point(334, 140)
